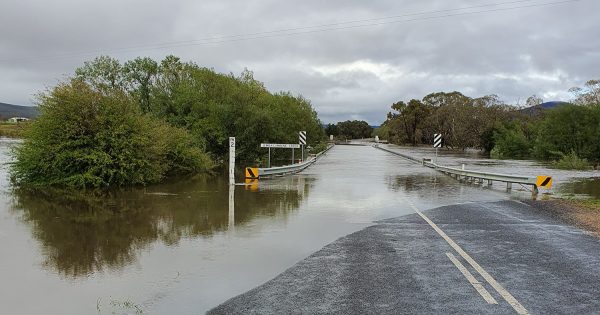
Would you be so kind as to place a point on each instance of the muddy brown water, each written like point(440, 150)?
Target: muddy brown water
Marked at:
point(182, 247)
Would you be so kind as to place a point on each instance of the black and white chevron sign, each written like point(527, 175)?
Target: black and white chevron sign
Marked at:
point(302, 137)
point(437, 140)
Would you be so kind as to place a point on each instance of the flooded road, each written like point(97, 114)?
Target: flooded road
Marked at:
point(182, 247)
point(578, 184)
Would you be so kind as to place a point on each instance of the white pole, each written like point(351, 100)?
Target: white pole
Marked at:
point(231, 160)
point(231, 207)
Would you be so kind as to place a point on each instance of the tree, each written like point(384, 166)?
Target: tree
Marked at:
point(331, 129)
point(103, 73)
point(354, 129)
point(569, 128)
point(534, 100)
point(589, 94)
point(90, 138)
point(139, 75)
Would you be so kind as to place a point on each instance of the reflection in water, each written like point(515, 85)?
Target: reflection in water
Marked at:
point(83, 233)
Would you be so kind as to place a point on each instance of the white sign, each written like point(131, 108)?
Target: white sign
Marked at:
point(231, 160)
point(302, 137)
point(280, 145)
point(437, 140)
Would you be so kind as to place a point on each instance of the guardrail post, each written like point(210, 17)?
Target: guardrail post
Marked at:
point(508, 186)
point(535, 190)
point(489, 182)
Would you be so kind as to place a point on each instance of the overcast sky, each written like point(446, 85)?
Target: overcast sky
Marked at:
point(354, 72)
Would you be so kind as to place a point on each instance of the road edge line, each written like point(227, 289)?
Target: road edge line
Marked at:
point(474, 282)
point(497, 286)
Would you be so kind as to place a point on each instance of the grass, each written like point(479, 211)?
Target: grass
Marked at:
point(12, 130)
point(590, 204)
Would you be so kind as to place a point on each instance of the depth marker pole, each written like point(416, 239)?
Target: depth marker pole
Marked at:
point(231, 160)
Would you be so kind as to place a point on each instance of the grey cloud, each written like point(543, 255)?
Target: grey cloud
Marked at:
point(541, 50)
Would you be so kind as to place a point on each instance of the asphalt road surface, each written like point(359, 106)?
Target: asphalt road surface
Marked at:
point(503, 257)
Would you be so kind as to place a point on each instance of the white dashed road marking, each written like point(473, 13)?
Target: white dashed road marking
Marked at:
point(476, 284)
point(497, 286)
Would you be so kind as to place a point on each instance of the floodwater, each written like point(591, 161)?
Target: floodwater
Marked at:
point(188, 245)
point(578, 184)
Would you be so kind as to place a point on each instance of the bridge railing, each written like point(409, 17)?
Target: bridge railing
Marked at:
point(462, 174)
point(290, 169)
point(473, 175)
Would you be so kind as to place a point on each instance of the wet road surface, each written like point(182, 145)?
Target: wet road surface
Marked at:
point(402, 266)
point(471, 257)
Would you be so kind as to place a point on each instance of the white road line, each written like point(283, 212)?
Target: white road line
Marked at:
point(476, 284)
point(497, 286)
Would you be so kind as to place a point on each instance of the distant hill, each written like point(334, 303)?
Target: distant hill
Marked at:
point(8, 111)
point(537, 109)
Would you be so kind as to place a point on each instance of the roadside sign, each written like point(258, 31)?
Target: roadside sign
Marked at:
point(437, 140)
point(251, 172)
point(280, 145)
point(544, 181)
point(302, 137)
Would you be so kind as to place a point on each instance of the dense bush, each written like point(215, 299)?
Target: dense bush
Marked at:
point(569, 128)
point(571, 162)
point(210, 105)
point(90, 138)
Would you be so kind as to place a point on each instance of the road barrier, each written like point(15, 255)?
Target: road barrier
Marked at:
point(467, 175)
point(283, 170)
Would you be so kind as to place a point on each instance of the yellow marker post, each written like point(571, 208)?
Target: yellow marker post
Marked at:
point(251, 184)
point(544, 181)
point(251, 172)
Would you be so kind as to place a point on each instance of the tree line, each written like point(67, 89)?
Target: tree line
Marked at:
point(137, 122)
point(349, 129)
point(569, 131)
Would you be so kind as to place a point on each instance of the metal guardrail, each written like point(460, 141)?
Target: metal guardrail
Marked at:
point(472, 175)
point(408, 157)
point(462, 174)
point(290, 169)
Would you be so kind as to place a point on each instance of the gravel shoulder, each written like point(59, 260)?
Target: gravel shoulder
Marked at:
point(584, 214)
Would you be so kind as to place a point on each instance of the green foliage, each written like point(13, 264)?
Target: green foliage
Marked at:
point(506, 132)
point(211, 106)
point(90, 138)
point(571, 162)
point(510, 142)
point(463, 121)
point(569, 128)
point(119, 124)
point(353, 129)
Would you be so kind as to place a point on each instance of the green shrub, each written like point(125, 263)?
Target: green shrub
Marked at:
point(510, 143)
point(571, 162)
point(87, 138)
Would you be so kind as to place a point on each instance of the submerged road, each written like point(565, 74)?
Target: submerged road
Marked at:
point(479, 257)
